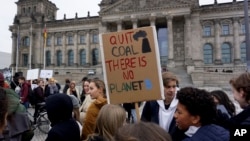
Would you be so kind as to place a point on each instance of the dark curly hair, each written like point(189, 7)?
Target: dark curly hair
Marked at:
point(224, 100)
point(198, 103)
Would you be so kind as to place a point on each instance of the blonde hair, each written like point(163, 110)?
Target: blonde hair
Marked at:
point(109, 119)
point(142, 131)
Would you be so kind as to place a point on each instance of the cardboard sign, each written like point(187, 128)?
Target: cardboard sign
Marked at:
point(46, 74)
point(32, 74)
point(131, 65)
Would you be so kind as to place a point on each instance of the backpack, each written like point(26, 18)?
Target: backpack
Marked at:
point(31, 96)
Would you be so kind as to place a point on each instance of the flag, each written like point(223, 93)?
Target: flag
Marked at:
point(45, 32)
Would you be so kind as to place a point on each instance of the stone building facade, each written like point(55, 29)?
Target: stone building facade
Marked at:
point(204, 41)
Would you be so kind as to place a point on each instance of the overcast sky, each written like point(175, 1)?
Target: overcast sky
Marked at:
point(68, 7)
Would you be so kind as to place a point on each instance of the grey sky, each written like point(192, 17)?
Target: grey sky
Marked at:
point(68, 7)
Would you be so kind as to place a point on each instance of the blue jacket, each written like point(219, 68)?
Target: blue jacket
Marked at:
point(210, 133)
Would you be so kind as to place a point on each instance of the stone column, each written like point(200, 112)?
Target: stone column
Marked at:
point(152, 20)
point(14, 50)
point(237, 57)
point(103, 27)
point(170, 42)
point(75, 49)
point(53, 53)
point(88, 49)
point(134, 22)
point(187, 41)
point(217, 43)
point(64, 50)
point(119, 25)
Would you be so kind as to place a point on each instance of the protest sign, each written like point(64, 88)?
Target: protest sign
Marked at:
point(131, 65)
point(32, 74)
point(46, 74)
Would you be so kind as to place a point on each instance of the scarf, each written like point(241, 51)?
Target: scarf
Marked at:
point(53, 89)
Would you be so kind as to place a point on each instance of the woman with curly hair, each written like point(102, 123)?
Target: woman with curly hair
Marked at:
point(195, 113)
point(223, 103)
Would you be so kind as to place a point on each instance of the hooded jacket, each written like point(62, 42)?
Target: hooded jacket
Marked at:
point(64, 128)
point(154, 111)
point(91, 115)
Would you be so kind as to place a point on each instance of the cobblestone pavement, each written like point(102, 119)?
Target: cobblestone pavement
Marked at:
point(39, 136)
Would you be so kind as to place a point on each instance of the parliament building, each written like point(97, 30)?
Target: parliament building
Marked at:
point(205, 44)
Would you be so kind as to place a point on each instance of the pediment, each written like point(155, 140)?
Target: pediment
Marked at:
point(144, 5)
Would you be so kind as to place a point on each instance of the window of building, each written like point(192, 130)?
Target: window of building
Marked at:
point(95, 56)
point(25, 60)
point(29, 10)
point(59, 58)
point(243, 51)
point(225, 29)
point(82, 57)
point(48, 41)
point(59, 41)
point(23, 10)
point(207, 31)
point(162, 34)
point(70, 40)
point(82, 39)
point(226, 53)
point(34, 9)
point(70, 58)
point(48, 58)
point(243, 28)
point(208, 54)
point(95, 38)
point(26, 41)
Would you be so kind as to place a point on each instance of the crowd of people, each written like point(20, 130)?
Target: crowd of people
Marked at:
point(185, 114)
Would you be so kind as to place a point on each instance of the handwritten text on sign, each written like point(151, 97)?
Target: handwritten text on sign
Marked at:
point(128, 56)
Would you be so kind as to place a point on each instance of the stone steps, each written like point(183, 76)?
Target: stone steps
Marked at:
point(184, 78)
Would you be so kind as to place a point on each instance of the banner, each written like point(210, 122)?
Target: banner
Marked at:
point(131, 65)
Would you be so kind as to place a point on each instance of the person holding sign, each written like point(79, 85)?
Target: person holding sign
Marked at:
point(97, 91)
point(162, 111)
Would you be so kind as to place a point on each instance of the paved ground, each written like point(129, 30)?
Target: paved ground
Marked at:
point(39, 136)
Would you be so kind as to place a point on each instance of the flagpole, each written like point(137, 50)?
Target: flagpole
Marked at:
point(45, 41)
point(30, 48)
point(17, 47)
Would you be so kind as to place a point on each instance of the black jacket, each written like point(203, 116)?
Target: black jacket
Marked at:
point(64, 128)
point(150, 113)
